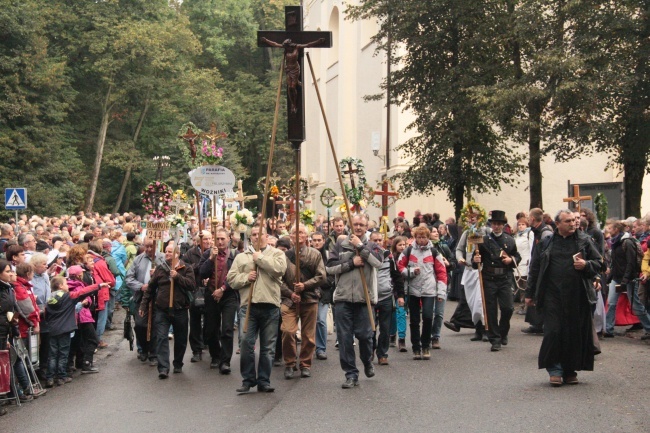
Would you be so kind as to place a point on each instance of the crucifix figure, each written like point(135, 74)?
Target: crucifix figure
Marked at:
point(293, 39)
point(577, 199)
point(385, 193)
point(240, 197)
point(351, 171)
point(190, 137)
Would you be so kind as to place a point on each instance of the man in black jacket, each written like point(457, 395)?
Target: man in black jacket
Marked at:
point(193, 257)
point(221, 302)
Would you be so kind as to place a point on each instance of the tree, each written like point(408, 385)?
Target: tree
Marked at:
point(447, 52)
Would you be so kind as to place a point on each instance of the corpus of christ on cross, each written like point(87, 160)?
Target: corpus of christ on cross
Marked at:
point(385, 193)
point(577, 199)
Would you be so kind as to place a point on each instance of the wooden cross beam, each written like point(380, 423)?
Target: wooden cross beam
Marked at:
point(577, 199)
point(385, 193)
point(293, 40)
point(240, 197)
point(351, 171)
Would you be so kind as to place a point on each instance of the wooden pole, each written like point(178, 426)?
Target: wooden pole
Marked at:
point(266, 184)
point(345, 196)
point(480, 280)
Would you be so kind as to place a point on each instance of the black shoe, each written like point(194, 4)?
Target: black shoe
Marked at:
point(196, 357)
point(532, 330)
point(495, 347)
point(163, 374)
point(214, 364)
point(305, 372)
point(350, 383)
point(178, 370)
point(3, 411)
point(288, 373)
point(451, 325)
point(369, 370)
point(608, 335)
point(504, 341)
point(142, 357)
point(485, 338)
point(49, 383)
point(321, 355)
point(265, 388)
point(477, 337)
point(224, 368)
point(26, 397)
point(153, 362)
point(401, 345)
point(243, 389)
point(635, 327)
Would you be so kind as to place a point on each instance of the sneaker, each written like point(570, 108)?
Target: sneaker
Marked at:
point(26, 397)
point(393, 340)
point(401, 344)
point(321, 355)
point(426, 355)
point(196, 357)
point(288, 373)
point(89, 370)
point(305, 372)
point(417, 355)
point(336, 344)
point(435, 343)
point(225, 368)
point(178, 370)
point(153, 362)
point(350, 383)
point(38, 392)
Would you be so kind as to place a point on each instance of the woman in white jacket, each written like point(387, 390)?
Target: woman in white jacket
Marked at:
point(525, 240)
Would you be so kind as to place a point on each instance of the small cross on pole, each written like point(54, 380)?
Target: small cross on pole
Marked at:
point(577, 199)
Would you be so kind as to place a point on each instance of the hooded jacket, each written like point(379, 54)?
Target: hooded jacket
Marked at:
point(432, 279)
point(27, 307)
point(349, 287)
point(60, 310)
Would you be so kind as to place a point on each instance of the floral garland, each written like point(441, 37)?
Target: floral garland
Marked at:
point(472, 208)
point(370, 194)
point(304, 187)
point(274, 191)
point(242, 220)
point(356, 194)
point(156, 198)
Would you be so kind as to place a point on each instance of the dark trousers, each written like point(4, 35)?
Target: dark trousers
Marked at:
point(422, 340)
point(162, 321)
point(44, 351)
point(498, 293)
point(59, 351)
point(278, 341)
point(219, 324)
point(147, 347)
point(196, 328)
point(383, 316)
point(88, 341)
point(352, 321)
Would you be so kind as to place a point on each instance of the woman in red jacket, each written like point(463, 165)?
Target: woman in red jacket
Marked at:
point(29, 316)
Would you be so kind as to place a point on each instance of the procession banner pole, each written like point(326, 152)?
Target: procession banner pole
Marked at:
point(266, 184)
point(480, 280)
point(345, 196)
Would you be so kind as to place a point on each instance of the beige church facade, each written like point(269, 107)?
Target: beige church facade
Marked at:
point(351, 70)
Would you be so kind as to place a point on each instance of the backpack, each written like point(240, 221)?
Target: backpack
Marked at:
point(639, 252)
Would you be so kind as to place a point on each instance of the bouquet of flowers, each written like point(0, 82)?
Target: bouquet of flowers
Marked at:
point(307, 217)
point(211, 154)
point(176, 221)
point(242, 220)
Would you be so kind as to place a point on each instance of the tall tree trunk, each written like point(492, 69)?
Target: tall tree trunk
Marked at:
point(99, 150)
point(127, 175)
point(535, 157)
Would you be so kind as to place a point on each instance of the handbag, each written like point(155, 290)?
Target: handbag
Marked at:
point(197, 299)
point(128, 330)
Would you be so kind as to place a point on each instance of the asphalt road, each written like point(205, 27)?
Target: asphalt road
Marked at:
point(464, 388)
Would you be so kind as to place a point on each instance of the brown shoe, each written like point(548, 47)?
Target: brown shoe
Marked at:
point(383, 361)
point(102, 345)
point(571, 380)
point(555, 381)
point(435, 344)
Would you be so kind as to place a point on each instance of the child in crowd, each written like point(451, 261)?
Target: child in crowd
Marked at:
point(88, 340)
point(60, 314)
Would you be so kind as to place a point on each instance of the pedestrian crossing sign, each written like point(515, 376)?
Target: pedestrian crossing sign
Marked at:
point(15, 198)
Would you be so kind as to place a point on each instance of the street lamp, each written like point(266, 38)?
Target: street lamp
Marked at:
point(161, 161)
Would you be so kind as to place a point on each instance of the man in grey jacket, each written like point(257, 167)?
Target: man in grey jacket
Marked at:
point(349, 297)
point(137, 280)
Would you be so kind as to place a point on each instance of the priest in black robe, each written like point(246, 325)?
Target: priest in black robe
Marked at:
point(561, 286)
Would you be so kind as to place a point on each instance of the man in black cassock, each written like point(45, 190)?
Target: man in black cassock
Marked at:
point(561, 286)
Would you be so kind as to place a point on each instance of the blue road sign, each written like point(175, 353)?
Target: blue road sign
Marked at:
point(15, 198)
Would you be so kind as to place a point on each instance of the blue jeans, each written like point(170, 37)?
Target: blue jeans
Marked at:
point(438, 317)
point(321, 328)
point(102, 316)
point(110, 306)
point(263, 319)
point(558, 370)
point(58, 361)
point(400, 313)
point(352, 320)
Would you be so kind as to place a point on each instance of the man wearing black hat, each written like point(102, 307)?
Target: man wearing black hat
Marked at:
point(498, 255)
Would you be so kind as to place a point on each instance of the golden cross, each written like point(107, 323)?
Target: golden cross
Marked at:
point(577, 199)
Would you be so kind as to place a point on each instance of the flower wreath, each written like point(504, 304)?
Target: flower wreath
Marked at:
point(328, 196)
point(356, 194)
point(472, 208)
point(274, 191)
point(156, 198)
point(370, 194)
point(304, 187)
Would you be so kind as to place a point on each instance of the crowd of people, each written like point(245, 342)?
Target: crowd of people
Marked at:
point(62, 279)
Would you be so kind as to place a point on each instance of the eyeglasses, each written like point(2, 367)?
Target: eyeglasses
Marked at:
point(568, 221)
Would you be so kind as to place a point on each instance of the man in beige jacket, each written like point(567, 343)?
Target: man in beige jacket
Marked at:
point(262, 272)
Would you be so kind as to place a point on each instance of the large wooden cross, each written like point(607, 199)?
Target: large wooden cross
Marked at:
point(577, 199)
point(294, 39)
point(385, 193)
point(240, 197)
